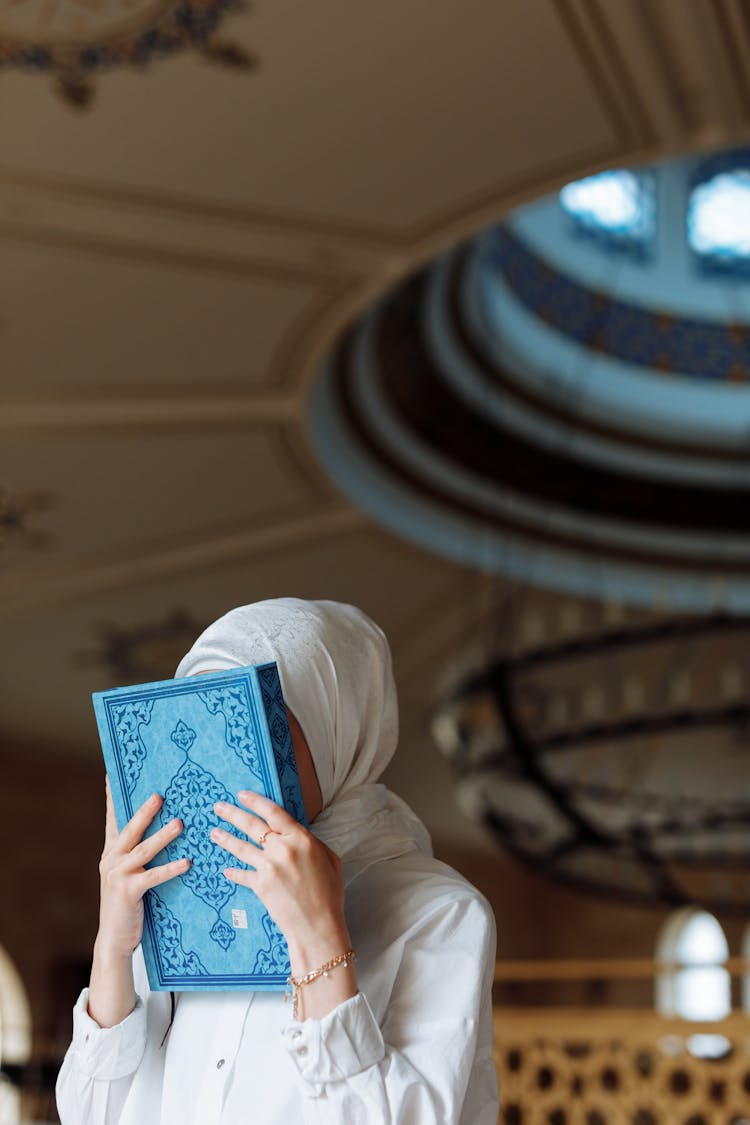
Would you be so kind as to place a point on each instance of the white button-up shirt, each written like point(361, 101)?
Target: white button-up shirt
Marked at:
point(413, 1047)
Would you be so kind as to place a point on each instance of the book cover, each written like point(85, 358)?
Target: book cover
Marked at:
point(196, 741)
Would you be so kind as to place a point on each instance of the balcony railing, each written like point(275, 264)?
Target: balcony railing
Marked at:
point(562, 1061)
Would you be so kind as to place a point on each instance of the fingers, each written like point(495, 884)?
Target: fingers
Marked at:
point(276, 818)
point(242, 877)
point(155, 876)
point(133, 831)
point(248, 823)
point(144, 852)
point(243, 850)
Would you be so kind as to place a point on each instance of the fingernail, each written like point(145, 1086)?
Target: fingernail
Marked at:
point(154, 798)
point(220, 806)
point(243, 793)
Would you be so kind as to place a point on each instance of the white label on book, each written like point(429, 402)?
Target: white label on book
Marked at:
point(239, 919)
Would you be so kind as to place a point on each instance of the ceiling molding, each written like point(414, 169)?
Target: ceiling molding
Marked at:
point(322, 318)
point(164, 256)
point(734, 19)
point(175, 231)
point(24, 595)
point(724, 31)
point(181, 410)
point(295, 447)
point(166, 231)
point(191, 207)
point(643, 37)
point(595, 41)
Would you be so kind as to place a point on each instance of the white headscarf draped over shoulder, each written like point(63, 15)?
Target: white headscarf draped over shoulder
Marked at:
point(335, 670)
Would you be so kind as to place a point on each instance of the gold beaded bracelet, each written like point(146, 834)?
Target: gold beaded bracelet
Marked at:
point(293, 984)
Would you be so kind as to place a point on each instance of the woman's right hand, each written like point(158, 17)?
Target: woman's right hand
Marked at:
point(125, 878)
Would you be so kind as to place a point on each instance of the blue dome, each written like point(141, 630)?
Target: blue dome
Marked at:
point(551, 404)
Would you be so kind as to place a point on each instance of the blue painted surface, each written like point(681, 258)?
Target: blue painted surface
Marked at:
point(669, 278)
point(712, 414)
point(622, 330)
point(465, 540)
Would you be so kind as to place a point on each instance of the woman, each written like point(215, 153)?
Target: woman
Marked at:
point(399, 1029)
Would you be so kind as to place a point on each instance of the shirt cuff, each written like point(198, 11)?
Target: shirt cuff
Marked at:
point(108, 1053)
point(342, 1043)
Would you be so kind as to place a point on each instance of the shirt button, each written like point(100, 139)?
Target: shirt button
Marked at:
point(220, 1064)
point(302, 1050)
point(295, 1035)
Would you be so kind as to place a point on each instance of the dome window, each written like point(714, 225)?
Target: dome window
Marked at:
point(718, 218)
point(617, 208)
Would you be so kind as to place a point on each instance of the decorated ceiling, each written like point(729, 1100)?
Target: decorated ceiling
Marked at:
point(180, 260)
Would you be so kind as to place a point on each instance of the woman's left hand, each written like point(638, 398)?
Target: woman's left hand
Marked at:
point(297, 878)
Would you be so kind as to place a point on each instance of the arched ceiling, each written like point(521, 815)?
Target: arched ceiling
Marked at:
point(178, 258)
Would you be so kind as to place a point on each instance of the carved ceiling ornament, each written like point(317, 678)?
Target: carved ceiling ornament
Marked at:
point(15, 509)
point(143, 653)
point(75, 40)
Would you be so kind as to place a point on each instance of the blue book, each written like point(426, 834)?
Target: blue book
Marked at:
point(196, 741)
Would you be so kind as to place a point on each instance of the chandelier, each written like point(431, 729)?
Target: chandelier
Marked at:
point(616, 762)
point(74, 41)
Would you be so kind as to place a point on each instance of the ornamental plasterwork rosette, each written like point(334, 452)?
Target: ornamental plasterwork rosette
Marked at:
point(146, 652)
point(15, 510)
point(76, 40)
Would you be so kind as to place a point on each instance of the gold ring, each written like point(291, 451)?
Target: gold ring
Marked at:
point(262, 838)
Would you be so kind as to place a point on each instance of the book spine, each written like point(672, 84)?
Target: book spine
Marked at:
point(123, 813)
point(274, 709)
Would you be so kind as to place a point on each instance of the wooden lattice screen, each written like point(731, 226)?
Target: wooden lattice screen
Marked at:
point(616, 1066)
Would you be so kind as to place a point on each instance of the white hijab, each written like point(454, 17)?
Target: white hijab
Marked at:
point(335, 670)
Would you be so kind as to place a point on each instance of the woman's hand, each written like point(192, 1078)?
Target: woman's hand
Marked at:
point(124, 877)
point(124, 880)
point(299, 881)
